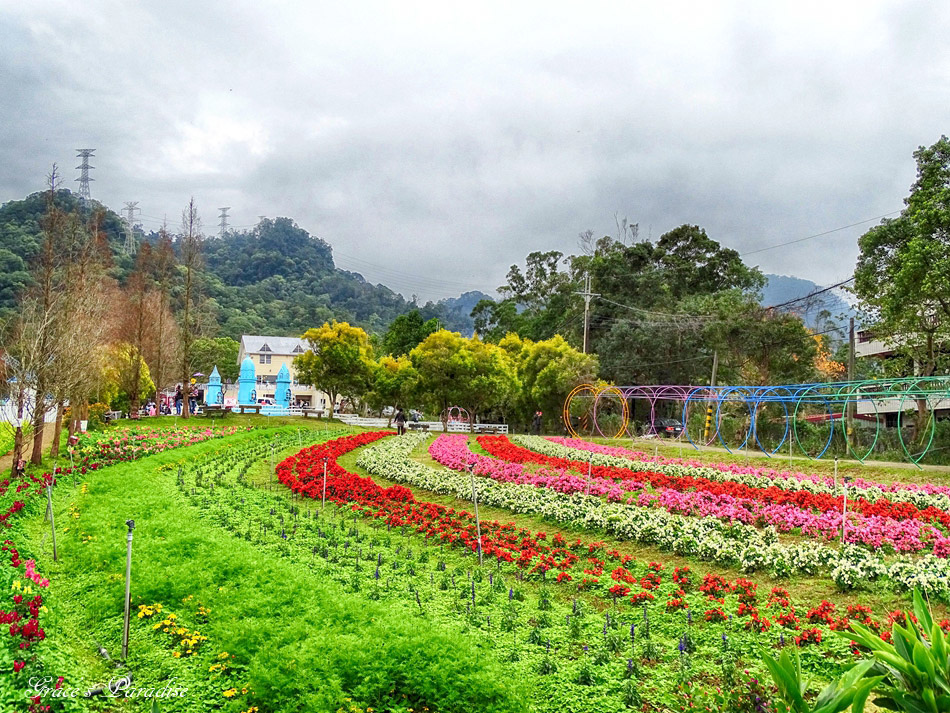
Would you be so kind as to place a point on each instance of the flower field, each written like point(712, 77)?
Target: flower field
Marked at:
point(347, 571)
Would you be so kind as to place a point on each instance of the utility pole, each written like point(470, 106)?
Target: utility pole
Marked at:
point(712, 385)
point(130, 208)
point(223, 225)
point(849, 416)
point(587, 295)
point(84, 169)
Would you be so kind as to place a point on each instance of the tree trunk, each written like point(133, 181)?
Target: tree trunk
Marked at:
point(57, 431)
point(332, 395)
point(17, 447)
point(39, 417)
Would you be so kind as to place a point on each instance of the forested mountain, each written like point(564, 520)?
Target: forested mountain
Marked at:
point(821, 312)
point(275, 279)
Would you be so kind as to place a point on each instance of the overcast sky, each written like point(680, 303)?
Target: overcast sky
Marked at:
point(434, 144)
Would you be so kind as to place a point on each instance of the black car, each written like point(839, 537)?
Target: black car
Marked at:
point(669, 427)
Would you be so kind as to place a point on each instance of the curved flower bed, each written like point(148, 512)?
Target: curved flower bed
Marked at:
point(923, 496)
point(749, 548)
point(586, 566)
point(874, 532)
point(503, 448)
point(128, 444)
point(21, 585)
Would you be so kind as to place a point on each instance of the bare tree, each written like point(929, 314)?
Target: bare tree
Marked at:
point(191, 262)
point(161, 358)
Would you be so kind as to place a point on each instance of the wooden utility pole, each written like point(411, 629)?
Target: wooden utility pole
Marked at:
point(587, 295)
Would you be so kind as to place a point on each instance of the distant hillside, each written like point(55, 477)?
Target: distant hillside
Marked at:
point(822, 312)
point(275, 279)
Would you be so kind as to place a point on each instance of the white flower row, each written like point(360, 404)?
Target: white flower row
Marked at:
point(709, 539)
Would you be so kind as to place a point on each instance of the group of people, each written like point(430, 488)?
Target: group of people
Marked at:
point(192, 400)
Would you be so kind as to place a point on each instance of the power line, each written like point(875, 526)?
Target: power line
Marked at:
point(812, 294)
point(817, 235)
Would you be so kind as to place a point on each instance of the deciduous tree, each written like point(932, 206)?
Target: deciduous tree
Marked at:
point(339, 361)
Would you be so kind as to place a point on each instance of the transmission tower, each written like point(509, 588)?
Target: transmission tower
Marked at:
point(130, 208)
point(84, 169)
point(223, 225)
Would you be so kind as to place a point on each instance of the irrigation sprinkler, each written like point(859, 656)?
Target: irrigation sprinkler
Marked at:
point(52, 523)
point(478, 524)
point(128, 585)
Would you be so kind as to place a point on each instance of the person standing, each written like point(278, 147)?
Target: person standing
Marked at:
point(400, 420)
point(536, 423)
point(178, 399)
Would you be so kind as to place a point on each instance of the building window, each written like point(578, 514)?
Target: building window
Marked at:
point(265, 358)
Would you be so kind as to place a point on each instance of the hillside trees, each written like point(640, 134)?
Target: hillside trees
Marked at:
point(406, 331)
point(51, 347)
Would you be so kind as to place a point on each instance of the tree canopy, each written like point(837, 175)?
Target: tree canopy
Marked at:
point(903, 267)
point(340, 360)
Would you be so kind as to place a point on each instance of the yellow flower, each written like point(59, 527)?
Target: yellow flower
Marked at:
point(177, 654)
point(230, 693)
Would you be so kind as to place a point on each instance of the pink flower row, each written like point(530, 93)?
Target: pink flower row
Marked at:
point(769, 473)
point(875, 532)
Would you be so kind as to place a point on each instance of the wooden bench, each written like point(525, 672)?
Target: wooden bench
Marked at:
point(217, 410)
point(315, 412)
point(412, 426)
point(256, 408)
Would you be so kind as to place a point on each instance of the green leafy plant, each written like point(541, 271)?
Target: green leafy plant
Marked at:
point(851, 690)
point(916, 666)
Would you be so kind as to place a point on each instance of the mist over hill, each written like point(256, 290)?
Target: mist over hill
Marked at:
point(821, 312)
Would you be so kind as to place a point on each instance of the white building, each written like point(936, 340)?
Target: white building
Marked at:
point(268, 355)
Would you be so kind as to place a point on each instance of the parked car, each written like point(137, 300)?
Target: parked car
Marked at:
point(266, 402)
point(668, 427)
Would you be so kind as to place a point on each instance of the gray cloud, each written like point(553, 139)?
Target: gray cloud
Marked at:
point(433, 146)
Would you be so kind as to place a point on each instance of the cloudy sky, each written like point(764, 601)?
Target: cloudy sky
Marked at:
point(433, 144)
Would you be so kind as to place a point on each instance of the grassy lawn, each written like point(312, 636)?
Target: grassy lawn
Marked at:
point(291, 640)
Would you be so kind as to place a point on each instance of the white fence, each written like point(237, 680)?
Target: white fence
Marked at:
point(454, 426)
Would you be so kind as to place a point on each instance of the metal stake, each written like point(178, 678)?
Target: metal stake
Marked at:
point(52, 524)
point(590, 465)
point(128, 585)
point(844, 507)
point(323, 502)
point(478, 524)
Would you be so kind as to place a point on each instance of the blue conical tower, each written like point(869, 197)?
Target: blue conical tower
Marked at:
point(282, 395)
point(214, 395)
point(247, 382)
